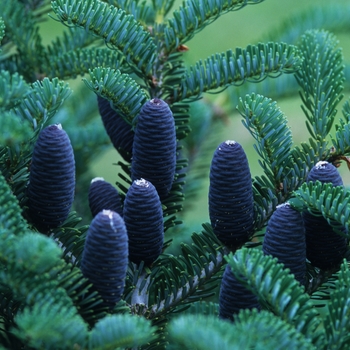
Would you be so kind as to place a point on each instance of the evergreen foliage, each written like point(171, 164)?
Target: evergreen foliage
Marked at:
point(114, 276)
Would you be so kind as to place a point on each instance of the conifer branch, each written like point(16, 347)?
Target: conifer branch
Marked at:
point(126, 95)
point(332, 202)
point(268, 126)
point(321, 78)
point(119, 30)
point(78, 62)
point(254, 63)
point(43, 101)
point(193, 16)
point(277, 290)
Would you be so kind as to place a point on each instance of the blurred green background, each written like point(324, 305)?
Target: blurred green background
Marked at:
point(250, 25)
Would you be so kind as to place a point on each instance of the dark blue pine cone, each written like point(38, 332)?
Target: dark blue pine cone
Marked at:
point(325, 248)
point(231, 205)
point(154, 148)
point(105, 256)
point(234, 296)
point(52, 178)
point(285, 240)
point(103, 195)
point(118, 130)
point(143, 218)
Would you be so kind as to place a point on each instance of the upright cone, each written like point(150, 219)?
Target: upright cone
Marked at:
point(324, 247)
point(105, 256)
point(285, 240)
point(154, 147)
point(231, 204)
point(51, 179)
point(143, 217)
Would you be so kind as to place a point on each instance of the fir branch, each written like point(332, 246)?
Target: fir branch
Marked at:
point(331, 16)
point(341, 142)
point(140, 10)
point(24, 34)
point(125, 94)
point(80, 61)
point(119, 30)
point(121, 331)
point(183, 279)
point(321, 77)
point(205, 333)
point(277, 290)
point(11, 220)
point(254, 63)
point(337, 319)
point(51, 325)
point(43, 101)
point(332, 202)
point(13, 88)
point(193, 16)
point(268, 126)
point(2, 29)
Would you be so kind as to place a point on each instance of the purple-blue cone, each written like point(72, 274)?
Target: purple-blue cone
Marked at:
point(324, 247)
point(143, 218)
point(231, 204)
point(234, 296)
point(103, 195)
point(285, 240)
point(118, 130)
point(52, 178)
point(105, 256)
point(154, 147)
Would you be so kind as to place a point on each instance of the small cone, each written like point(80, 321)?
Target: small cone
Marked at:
point(105, 256)
point(285, 240)
point(143, 217)
point(102, 195)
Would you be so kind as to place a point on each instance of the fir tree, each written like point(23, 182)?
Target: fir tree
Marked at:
point(68, 280)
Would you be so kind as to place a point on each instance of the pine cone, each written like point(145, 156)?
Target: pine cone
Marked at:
point(52, 178)
point(103, 195)
point(154, 148)
point(143, 217)
point(324, 247)
point(231, 205)
point(105, 256)
point(234, 296)
point(118, 130)
point(285, 240)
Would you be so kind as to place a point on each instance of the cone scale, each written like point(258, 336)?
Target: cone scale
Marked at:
point(52, 178)
point(324, 247)
point(285, 240)
point(231, 202)
point(143, 218)
point(154, 147)
point(105, 256)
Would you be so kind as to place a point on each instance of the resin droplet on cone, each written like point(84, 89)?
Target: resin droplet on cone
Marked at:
point(285, 240)
point(143, 217)
point(103, 195)
point(154, 148)
point(231, 205)
point(51, 179)
point(105, 256)
point(324, 247)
